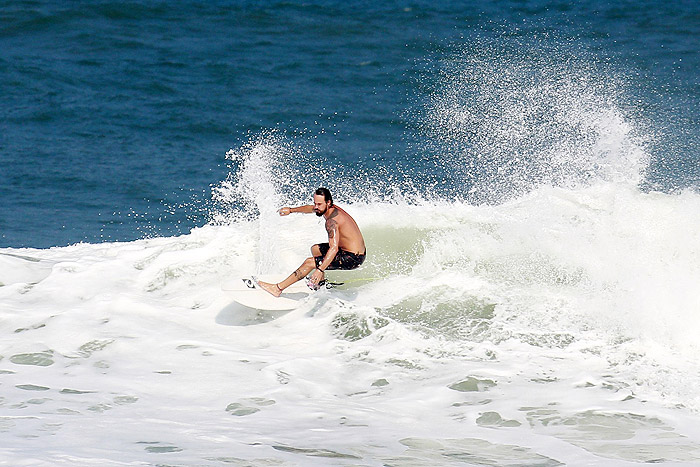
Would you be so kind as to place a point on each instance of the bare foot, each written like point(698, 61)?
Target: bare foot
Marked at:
point(270, 288)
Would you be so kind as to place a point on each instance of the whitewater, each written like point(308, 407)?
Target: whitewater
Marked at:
point(556, 328)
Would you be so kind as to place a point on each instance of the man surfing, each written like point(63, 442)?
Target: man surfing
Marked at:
point(345, 248)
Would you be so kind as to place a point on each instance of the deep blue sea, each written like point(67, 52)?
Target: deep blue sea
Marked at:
point(526, 175)
point(115, 117)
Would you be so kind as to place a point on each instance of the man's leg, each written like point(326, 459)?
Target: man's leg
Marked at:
point(306, 267)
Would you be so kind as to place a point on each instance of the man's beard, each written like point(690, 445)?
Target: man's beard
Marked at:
point(320, 213)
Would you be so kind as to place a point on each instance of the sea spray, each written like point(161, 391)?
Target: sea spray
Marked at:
point(510, 114)
point(262, 179)
point(272, 170)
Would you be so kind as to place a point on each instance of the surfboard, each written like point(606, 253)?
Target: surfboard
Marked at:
point(246, 292)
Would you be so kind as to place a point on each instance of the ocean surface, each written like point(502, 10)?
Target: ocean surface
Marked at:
point(526, 175)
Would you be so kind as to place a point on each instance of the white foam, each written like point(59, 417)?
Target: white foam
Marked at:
point(560, 326)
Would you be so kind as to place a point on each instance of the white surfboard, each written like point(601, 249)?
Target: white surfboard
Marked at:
point(246, 292)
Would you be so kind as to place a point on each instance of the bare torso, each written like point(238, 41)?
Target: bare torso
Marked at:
point(349, 236)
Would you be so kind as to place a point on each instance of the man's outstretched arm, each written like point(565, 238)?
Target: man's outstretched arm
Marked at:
point(306, 209)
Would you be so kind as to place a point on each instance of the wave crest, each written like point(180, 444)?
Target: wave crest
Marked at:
point(509, 115)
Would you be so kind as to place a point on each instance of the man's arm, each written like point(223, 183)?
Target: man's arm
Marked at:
point(306, 209)
point(333, 238)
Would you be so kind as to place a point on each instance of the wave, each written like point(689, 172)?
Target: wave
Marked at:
point(566, 313)
point(521, 221)
point(602, 269)
point(533, 230)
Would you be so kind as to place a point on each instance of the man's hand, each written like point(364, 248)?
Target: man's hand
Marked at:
point(285, 211)
point(316, 277)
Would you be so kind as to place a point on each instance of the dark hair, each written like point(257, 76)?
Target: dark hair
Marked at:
point(325, 192)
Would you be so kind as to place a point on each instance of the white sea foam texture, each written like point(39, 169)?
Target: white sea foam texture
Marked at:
point(558, 326)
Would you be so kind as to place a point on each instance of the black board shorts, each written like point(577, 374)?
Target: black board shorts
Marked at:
point(343, 259)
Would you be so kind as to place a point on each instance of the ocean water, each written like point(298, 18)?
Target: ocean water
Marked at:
point(525, 175)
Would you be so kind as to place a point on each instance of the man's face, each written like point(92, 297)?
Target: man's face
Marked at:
point(320, 205)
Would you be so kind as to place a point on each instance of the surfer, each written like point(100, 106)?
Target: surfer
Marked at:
point(345, 248)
